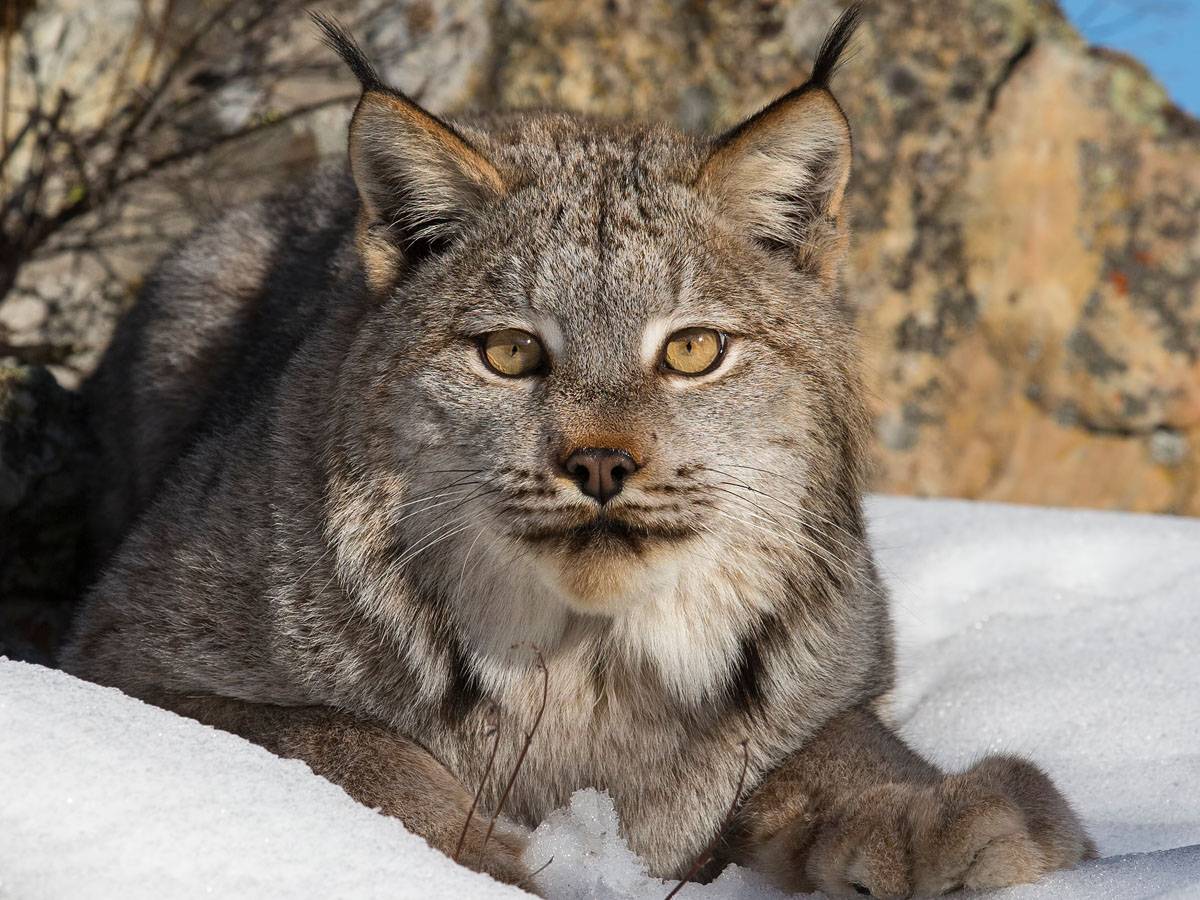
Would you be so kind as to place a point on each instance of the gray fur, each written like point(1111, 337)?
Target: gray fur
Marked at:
point(338, 510)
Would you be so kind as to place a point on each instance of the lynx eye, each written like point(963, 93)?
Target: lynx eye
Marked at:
point(512, 352)
point(694, 351)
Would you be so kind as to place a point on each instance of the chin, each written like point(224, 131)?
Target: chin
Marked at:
point(602, 568)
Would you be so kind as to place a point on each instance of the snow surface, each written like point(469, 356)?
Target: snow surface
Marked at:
point(1068, 636)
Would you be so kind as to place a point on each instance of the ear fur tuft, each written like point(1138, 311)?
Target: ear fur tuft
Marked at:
point(337, 38)
point(829, 57)
point(419, 179)
point(780, 176)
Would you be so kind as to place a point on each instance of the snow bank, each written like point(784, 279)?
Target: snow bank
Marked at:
point(1068, 636)
point(104, 796)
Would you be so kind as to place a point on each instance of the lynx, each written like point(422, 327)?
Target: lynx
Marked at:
point(532, 402)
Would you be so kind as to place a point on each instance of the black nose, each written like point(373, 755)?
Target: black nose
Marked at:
point(601, 473)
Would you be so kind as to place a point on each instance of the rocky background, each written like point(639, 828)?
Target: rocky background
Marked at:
point(1026, 263)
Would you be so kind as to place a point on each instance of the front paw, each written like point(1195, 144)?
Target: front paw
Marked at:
point(1001, 823)
point(500, 856)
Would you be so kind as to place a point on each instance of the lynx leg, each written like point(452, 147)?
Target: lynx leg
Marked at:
point(857, 812)
point(376, 767)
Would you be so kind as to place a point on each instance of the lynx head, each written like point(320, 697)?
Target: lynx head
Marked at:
point(617, 351)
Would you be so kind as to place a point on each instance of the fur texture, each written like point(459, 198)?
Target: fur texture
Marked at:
point(353, 539)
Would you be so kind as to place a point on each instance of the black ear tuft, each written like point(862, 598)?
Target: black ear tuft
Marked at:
point(335, 36)
point(834, 45)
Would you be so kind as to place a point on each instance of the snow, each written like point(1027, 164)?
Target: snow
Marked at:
point(104, 796)
point(1068, 636)
point(591, 861)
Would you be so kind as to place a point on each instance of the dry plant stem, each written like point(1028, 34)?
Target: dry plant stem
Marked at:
point(494, 726)
point(146, 109)
point(7, 29)
point(520, 758)
point(528, 879)
point(167, 79)
point(160, 38)
point(45, 146)
point(707, 852)
point(131, 46)
point(186, 153)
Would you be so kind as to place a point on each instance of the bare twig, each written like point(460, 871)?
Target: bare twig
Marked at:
point(89, 201)
point(541, 661)
point(29, 203)
point(494, 731)
point(528, 879)
point(58, 173)
point(262, 124)
point(183, 55)
point(9, 148)
point(185, 153)
point(131, 47)
point(160, 38)
point(8, 30)
point(706, 854)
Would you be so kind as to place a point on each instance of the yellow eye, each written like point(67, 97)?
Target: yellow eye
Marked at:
point(512, 352)
point(694, 351)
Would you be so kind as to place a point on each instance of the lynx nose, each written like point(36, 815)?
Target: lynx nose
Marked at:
point(600, 472)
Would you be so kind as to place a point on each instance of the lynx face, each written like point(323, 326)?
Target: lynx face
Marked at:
point(616, 352)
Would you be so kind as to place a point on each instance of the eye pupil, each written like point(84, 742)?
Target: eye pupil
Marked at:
point(512, 352)
point(693, 351)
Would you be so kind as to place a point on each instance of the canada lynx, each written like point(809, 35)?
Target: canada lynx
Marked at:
point(531, 387)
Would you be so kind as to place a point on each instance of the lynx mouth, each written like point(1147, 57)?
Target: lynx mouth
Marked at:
point(605, 533)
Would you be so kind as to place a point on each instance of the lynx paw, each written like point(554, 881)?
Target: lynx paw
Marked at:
point(502, 858)
point(1001, 823)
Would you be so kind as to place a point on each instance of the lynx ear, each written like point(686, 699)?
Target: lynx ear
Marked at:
point(418, 178)
point(781, 175)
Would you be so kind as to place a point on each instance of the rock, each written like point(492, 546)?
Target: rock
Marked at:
point(1026, 264)
point(23, 314)
point(1080, 219)
point(99, 58)
point(45, 459)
